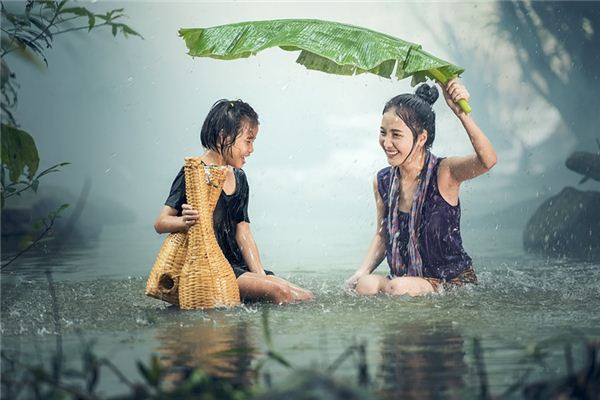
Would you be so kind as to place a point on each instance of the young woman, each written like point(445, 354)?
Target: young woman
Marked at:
point(228, 135)
point(418, 210)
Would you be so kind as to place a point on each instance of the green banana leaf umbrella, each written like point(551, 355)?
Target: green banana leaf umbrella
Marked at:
point(324, 46)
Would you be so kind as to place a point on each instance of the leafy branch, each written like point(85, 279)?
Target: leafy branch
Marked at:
point(16, 188)
point(29, 32)
point(48, 223)
point(44, 20)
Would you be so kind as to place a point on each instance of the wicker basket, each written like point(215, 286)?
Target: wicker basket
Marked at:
point(190, 269)
point(206, 279)
point(163, 282)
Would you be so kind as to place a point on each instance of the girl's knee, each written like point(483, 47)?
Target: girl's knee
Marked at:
point(302, 295)
point(367, 285)
point(281, 294)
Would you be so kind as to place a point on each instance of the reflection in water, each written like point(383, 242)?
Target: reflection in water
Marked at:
point(422, 362)
point(221, 347)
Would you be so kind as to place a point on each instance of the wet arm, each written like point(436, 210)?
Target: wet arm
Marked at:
point(245, 241)
point(478, 163)
point(460, 169)
point(168, 221)
point(376, 252)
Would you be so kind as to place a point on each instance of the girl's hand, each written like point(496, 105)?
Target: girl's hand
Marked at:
point(453, 92)
point(189, 215)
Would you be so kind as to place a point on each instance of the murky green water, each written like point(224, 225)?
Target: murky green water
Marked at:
point(416, 348)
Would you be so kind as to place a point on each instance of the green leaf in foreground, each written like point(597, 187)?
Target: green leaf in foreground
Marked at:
point(19, 153)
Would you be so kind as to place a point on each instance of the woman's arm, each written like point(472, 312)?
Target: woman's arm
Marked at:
point(376, 252)
point(168, 221)
point(245, 240)
point(460, 169)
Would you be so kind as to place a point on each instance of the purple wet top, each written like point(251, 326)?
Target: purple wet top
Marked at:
point(440, 243)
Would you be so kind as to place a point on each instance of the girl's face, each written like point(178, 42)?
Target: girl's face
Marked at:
point(396, 139)
point(242, 147)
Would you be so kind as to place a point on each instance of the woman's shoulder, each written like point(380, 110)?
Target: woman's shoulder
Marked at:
point(383, 174)
point(382, 179)
point(384, 171)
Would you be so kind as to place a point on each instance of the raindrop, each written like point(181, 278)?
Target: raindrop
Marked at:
point(107, 171)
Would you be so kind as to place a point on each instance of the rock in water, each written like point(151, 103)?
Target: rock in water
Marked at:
point(585, 163)
point(566, 225)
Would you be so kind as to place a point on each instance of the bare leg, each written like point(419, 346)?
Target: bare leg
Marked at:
point(259, 287)
point(298, 292)
point(410, 285)
point(371, 284)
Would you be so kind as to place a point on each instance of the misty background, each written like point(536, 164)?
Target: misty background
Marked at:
point(125, 112)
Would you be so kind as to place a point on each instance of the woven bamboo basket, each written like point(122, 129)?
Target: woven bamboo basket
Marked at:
point(163, 282)
point(206, 279)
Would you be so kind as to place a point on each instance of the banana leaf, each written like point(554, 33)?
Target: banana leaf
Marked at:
point(324, 46)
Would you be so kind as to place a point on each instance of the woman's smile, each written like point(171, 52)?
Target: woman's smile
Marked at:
point(391, 152)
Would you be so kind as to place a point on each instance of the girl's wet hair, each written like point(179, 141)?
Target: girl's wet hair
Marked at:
point(225, 122)
point(416, 111)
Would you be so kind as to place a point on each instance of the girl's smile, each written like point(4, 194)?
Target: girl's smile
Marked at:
point(243, 147)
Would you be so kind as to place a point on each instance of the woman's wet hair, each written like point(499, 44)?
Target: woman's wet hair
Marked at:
point(224, 123)
point(416, 111)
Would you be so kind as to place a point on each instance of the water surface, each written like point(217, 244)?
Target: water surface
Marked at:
point(416, 347)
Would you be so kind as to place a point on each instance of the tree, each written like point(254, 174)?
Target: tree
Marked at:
point(557, 45)
point(28, 30)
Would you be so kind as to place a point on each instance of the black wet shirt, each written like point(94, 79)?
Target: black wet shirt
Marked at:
point(230, 210)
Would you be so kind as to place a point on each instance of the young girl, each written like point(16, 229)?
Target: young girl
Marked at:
point(228, 135)
point(418, 210)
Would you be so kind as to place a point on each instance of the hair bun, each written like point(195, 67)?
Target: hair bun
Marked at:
point(428, 93)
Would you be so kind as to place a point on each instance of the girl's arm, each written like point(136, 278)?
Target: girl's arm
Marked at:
point(245, 240)
point(460, 169)
point(376, 252)
point(168, 221)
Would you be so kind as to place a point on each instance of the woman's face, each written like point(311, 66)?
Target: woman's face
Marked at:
point(242, 147)
point(396, 139)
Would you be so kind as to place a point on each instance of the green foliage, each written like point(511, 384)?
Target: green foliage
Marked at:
point(324, 46)
point(29, 31)
point(271, 354)
point(34, 28)
point(151, 373)
point(47, 223)
point(54, 380)
point(17, 187)
point(32, 31)
point(19, 153)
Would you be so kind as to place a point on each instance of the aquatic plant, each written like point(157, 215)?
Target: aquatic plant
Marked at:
point(53, 379)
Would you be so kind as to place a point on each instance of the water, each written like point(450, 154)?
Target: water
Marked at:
point(415, 347)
